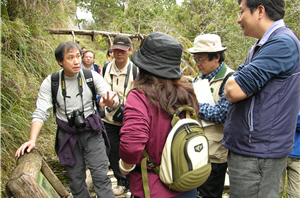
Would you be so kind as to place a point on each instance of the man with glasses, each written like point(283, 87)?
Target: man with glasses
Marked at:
point(88, 61)
point(209, 56)
point(265, 97)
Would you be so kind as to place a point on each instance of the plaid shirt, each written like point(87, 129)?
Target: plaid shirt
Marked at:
point(214, 113)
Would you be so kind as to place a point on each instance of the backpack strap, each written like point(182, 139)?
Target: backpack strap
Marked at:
point(90, 82)
point(54, 89)
point(150, 162)
point(221, 90)
point(126, 78)
point(145, 178)
point(55, 83)
point(104, 69)
point(190, 113)
point(147, 160)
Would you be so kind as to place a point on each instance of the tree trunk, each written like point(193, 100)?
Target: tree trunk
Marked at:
point(94, 33)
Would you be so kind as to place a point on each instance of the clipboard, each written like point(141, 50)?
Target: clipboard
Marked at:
point(203, 94)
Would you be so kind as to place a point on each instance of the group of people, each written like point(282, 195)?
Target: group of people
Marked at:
point(254, 129)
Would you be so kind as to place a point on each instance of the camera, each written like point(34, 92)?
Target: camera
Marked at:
point(118, 116)
point(76, 118)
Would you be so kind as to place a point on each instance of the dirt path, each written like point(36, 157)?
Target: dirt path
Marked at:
point(127, 194)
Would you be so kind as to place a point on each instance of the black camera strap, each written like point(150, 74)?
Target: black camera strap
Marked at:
point(64, 91)
point(126, 79)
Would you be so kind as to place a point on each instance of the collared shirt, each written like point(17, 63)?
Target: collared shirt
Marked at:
point(213, 73)
point(272, 28)
point(118, 71)
point(266, 36)
point(214, 113)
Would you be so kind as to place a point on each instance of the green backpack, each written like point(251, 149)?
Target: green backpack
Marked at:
point(185, 163)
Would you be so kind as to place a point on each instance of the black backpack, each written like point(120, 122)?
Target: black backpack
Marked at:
point(89, 81)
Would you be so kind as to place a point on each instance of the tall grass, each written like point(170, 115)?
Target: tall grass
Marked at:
point(27, 57)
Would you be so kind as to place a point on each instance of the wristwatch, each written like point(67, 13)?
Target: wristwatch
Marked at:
point(109, 109)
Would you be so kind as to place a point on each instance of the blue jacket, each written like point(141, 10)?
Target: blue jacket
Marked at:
point(95, 67)
point(296, 148)
point(263, 125)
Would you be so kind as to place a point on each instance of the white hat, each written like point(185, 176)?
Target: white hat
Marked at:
point(207, 43)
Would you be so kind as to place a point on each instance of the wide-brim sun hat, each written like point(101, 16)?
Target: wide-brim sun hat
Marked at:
point(207, 43)
point(160, 55)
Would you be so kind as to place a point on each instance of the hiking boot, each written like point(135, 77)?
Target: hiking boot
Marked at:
point(119, 190)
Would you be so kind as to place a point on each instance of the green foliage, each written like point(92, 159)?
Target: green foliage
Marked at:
point(292, 15)
point(4, 14)
point(102, 42)
point(147, 16)
point(104, 11)
point(140, 16)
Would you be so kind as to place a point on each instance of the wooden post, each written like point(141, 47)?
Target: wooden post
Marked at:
point(73, 36)
point(53, 180)
point(110, 43)
point(23, 182)
point(142, 40)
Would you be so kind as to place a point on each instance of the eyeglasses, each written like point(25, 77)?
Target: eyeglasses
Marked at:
point(90, 57)
point(200, 61)
point(241, 12)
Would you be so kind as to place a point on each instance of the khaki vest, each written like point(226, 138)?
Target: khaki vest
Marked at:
point(118, 86)
point(214, 133)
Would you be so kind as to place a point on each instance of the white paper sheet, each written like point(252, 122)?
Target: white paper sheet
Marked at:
point(203, 94)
